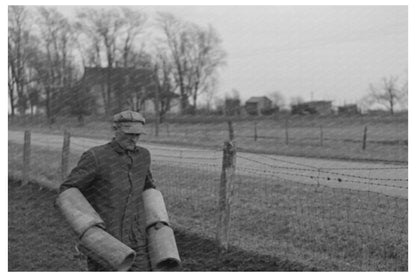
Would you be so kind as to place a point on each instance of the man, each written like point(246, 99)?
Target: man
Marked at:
point(112, 178)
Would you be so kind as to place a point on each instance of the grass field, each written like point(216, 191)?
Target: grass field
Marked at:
point(342, 137)
point(40, 240)
point(299, 227)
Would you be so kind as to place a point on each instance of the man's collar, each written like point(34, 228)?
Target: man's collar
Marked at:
point(119, 149)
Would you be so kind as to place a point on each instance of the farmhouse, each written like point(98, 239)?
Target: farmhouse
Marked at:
point(348, 109)
point(313, 107)
point(128, 87)
point(256, 105)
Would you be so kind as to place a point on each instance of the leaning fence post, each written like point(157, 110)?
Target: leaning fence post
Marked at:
point(26, 159)
point(157, 126)
point(365, 138)
point(287, 131)
point(65, 155)
point(322, 135)
point(226, 191)
point(230, 130)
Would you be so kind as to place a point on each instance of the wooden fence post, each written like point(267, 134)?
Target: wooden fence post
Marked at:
point(255, 130)
point(287, 131)
point(226, 191)
point(230, 130)
point(26, 159)
point(365, 138)
point(157, 112)
point(65, 155)
point(167, 128)
point(321, 135)
point(156, 127)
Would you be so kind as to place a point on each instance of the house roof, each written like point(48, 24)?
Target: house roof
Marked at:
point(349, 106)
point(317, 102)
point(164, 94)
point(256, 99)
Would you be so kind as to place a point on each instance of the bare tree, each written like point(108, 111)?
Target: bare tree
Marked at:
point(11, 81)
point(277, 98)
point(387, 93)
point(404, 94)
point(19, 49)
point(210, 92)
point(165, 84)
point(205, 57)
point(34, 98)
point(102, 29)
point(176, 40)
point(296, 100)
point(133, 26)
point(55, 66)
point(196, 55)
point(232, 104)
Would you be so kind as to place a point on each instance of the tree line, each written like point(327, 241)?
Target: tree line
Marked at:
point(47, 52)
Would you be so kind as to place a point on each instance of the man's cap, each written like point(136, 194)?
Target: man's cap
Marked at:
point(130, 122)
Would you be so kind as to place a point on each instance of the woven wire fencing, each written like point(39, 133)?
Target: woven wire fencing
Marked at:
point(339, 218)
point(333, 218)
point(365, 137)
point(327, 215)
point(312, 207)
point(378, 138)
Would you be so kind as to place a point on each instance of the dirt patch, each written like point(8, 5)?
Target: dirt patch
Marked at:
point(40, 240)
point(204, 257)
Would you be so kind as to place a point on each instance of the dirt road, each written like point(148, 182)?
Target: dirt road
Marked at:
point(383, 178)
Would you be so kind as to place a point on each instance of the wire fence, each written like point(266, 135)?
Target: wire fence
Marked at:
point(315, 214)
point(359, 137)
point(301, 202)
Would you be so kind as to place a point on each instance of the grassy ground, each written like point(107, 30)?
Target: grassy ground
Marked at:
point(313, 226)
point(40, 240)
point(387, 136)
point(332, 229)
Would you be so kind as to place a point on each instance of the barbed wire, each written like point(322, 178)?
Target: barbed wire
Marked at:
point(276, 174)
point(318, 169)
point(364, 177)
point(284, 204)
point(191, 163)
point(276, 166)
point(185, 157)
point(282, 137)
point(285, 161)
point(153, 146)
point(365, 168)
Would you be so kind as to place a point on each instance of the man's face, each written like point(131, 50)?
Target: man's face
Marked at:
point(127, 141)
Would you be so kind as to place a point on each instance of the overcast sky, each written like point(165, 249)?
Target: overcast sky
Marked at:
point(315, 52)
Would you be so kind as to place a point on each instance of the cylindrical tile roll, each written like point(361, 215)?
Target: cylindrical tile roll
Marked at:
point(106, 250)
point(77, 210)
point(162, 248)
point(154, 206)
